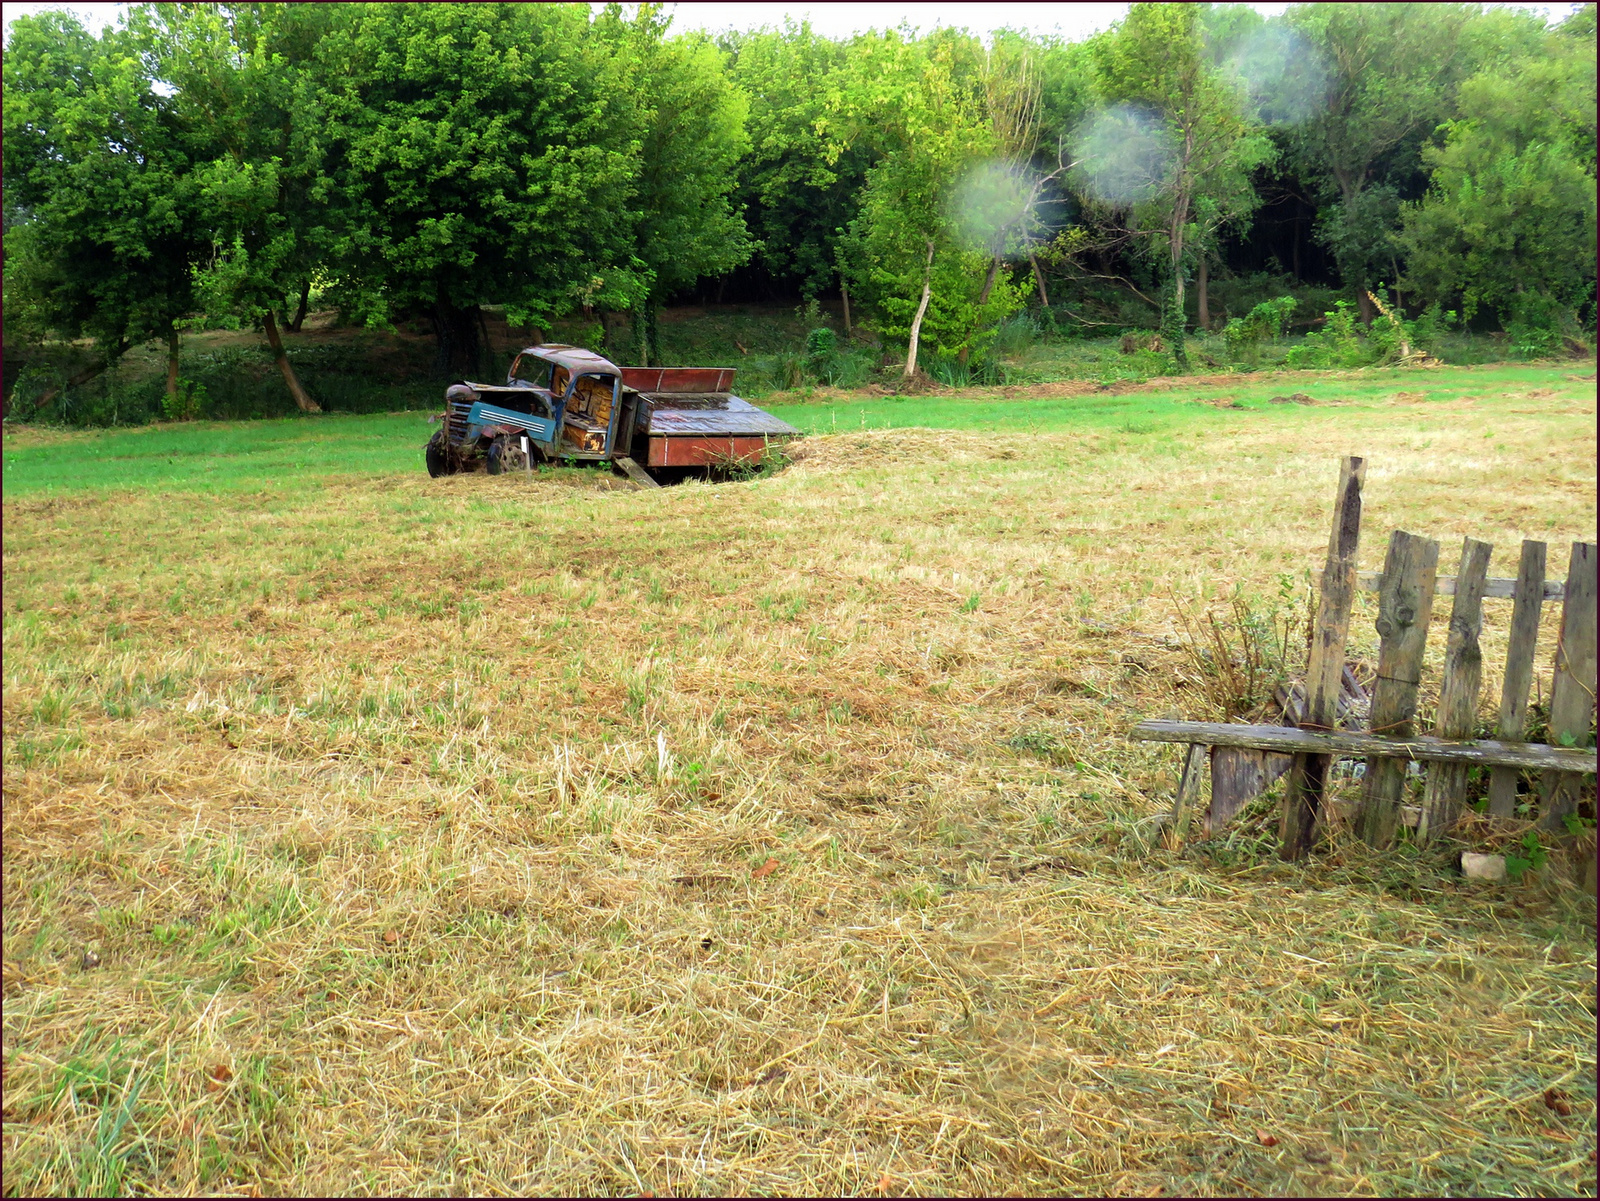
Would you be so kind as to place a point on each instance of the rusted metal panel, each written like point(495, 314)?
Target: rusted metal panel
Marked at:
point(574, 358)
point(736, 418)
point(486, 414)
point(700, 452)
point(678, 379)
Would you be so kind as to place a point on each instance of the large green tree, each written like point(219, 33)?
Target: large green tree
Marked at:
point(1178, 150)
point(691, 122)
point(248, 91)
point(1508, 222)
point(797, 197)
point(918, 105)
point(1391, 71)
point(101, 212)
point(479, 154)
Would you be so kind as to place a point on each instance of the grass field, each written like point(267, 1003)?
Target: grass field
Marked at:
point(366, 833)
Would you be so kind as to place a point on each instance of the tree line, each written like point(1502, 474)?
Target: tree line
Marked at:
point(221, 163)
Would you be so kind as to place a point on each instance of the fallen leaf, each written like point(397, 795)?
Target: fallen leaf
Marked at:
point(1555, 1099)
point(218, 1077)
point(1551, 1132)
point(390, 937)
point(766, 869)
point(713, 796)
point(1265, 1139)
point(886, 1181)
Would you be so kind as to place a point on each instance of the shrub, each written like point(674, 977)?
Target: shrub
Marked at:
point(1015, 334)
point(1338, 344)
point(1265, 322)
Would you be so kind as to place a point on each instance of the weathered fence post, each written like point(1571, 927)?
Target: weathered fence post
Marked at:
point(1525, 605)
point(1405, 606)
point(1458, 691)
point(1572, 690)
point(1324, 673)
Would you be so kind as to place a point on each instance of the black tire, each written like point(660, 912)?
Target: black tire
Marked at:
point(435, 456)
point(494, 461)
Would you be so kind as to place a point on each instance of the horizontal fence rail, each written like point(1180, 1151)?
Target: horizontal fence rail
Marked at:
point(1445, 585)
point(1286, 740)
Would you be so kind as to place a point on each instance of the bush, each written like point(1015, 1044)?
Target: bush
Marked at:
point(1338, 344)
point(1265, 322)
point(1015, 334)
point(1538, 324)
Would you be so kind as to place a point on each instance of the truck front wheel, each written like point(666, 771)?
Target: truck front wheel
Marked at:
point(436, 457)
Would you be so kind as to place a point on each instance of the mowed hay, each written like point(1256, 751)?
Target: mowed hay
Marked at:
point(479, 835)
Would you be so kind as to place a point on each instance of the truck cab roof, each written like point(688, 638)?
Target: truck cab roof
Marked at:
point(574, 358)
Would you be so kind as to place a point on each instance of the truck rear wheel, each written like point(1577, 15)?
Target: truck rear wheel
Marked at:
point(436, 457)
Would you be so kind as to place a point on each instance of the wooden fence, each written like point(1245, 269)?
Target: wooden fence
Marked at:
point(1407, 588)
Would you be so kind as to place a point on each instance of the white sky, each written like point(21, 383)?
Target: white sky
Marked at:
point(833, 19)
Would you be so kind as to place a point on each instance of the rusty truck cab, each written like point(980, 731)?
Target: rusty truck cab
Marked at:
point(584, 392)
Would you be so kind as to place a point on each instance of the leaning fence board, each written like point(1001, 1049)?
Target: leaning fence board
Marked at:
point(1446, 788)
point(1405, 606)
point(1303, 798)
point(1518, 676)
point(1572, 690)
point(1495, 589)
point(1194, 764)
point(1351, 744)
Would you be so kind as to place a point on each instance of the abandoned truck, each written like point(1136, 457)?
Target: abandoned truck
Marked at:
point(561, 402)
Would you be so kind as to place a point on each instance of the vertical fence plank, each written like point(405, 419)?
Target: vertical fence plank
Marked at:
point(1405, 606)
point(1458, 691)
point(1325, 671)
point(1572, 691)
point(1194, 765)
point(1525, 604)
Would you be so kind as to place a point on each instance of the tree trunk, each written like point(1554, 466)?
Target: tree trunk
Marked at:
point(1201, 296)
point(645, 333)
point(922, 310)
point(456, 330)
point(1174, 319)
point(983, 299)
point(1364, 305)
point(172, 368)
point(641, 338)
point(300, 313)
point(844, 292)
point(1038, 278)
point(486, 355)
point(275, 340)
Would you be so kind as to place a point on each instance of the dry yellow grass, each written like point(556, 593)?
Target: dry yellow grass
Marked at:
point(415, 826)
